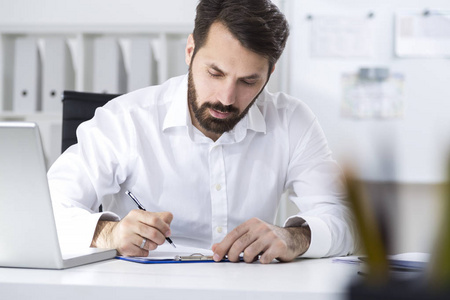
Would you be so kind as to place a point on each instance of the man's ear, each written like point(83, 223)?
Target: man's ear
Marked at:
point(273, 69)
point(190, 46)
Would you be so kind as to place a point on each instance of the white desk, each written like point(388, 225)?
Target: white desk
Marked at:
point(115, 279)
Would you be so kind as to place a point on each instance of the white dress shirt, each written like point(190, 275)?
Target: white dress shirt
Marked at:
point(145, 142)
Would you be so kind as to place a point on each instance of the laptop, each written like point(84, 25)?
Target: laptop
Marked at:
point(28, 236)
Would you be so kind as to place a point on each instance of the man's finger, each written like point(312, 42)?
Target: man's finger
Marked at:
point(222, 248)
point(252, 252)
point(269, 255)
point(166, 216)
point(160, 221)
point(241, 245)
point(149, 225)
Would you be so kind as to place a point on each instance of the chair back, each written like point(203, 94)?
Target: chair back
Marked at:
point(77, 108)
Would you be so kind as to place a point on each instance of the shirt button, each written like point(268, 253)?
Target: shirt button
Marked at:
point(219, 229)
point(218, 187)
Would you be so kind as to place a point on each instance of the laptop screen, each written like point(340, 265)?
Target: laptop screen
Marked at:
point(27, 226)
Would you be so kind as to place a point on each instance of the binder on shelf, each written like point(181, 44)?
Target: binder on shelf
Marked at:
point(142, 71)
point(58, 73)
point(7, 44)
point(109, 74)
point(27, 76)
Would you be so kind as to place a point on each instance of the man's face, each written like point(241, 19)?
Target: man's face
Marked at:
point(224, 80)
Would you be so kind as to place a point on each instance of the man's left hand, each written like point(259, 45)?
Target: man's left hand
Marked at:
point(256, 238)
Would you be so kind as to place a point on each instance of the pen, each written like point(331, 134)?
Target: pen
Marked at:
point(133, 197)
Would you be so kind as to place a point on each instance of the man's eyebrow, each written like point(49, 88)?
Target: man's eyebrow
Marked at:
point(251, 77)
point(216, 68)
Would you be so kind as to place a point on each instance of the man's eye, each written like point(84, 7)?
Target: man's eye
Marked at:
point(214, 75)
point(249, 82)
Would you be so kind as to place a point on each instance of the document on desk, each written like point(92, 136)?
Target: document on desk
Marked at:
point(166, 254)
point(409, 261)
point(412, 261)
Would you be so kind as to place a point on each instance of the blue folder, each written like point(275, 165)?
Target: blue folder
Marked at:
point(193, 258)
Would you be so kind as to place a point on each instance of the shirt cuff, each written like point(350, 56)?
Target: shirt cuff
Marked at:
point(77, 232)
point(320, 235)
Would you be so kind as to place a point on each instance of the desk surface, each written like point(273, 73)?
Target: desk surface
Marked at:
point(116, 279)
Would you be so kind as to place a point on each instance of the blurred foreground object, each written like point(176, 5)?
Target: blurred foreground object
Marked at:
point(439, 269)
point(368, 230)
point(381, 280)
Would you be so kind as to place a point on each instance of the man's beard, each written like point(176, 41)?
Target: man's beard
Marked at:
point(204, 118)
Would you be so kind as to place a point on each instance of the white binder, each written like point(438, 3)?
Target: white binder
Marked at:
point(27, 79)
point(58, 73)
point(109, 69)
point(142, 71)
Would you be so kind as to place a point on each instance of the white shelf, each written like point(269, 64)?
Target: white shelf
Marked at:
point(81, 40)
point(37, 116)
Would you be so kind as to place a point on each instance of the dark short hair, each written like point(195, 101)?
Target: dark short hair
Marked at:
point(257, 24)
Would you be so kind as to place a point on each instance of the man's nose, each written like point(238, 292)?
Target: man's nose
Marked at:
point(227, 94)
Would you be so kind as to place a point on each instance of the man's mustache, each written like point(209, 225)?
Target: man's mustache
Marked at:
point(221, 108)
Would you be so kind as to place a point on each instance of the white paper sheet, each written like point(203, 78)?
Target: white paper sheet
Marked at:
point(334, 36)
point(422, 35)
point(166, 251)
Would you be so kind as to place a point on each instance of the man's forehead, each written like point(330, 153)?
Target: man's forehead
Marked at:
point(222, 47)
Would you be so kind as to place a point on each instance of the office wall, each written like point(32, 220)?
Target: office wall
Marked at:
point(410, 152)
point(410, 149)
point(81, 12)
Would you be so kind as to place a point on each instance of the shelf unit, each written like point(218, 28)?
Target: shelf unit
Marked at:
point(167, 44)
point(80, 41)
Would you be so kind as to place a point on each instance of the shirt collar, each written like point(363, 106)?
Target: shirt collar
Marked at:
point(178, 114)
point(255, 118)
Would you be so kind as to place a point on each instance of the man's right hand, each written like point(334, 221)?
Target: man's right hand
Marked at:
point(127, 235)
